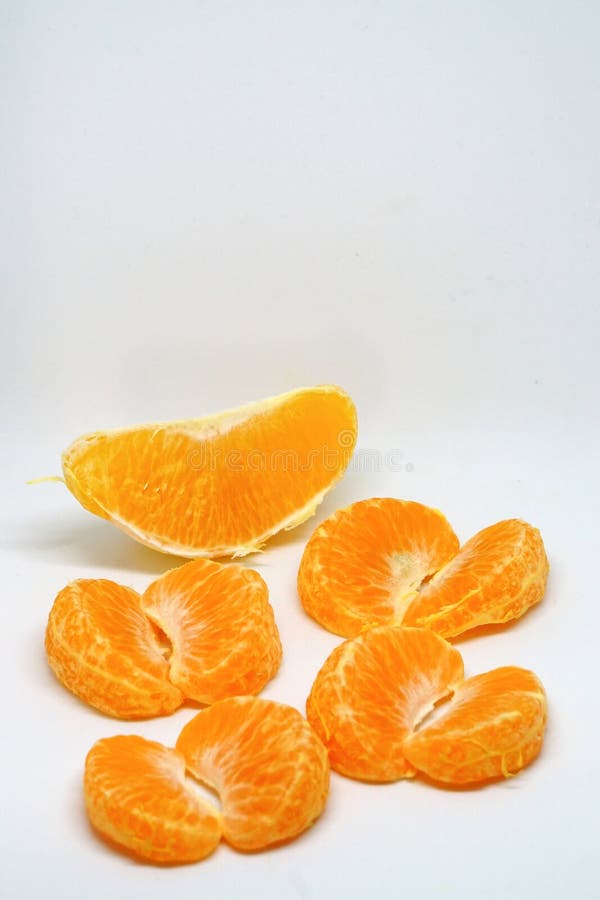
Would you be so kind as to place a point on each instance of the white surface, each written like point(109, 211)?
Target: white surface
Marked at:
point(207, 203)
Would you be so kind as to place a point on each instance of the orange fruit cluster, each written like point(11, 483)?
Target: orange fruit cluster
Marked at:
point(263, 760)
point(375, 690)
point(390, 575)
point(203, 631)
point(393, 562)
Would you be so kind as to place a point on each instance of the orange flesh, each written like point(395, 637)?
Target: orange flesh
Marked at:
point(221, 625)
point(263, 759)
point(220, 485)
point(137, 795)
point(102, 647)
point(267, 765)
point(493, 727)
point(371, 564)
point(373, 691)
point(497, 576)
point(365, 563)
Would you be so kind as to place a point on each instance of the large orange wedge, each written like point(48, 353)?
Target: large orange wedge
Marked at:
point(220, 485)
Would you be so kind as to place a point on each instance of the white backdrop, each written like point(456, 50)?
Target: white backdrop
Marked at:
point(209, 202)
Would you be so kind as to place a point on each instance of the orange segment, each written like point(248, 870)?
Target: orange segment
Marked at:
point(364, 564)
point(102, 647)
point(372, 691)
point(267, 765)
point(136, 794)
point(220, 485)
point(493, 726)
point(221, 626)
point(497, 576)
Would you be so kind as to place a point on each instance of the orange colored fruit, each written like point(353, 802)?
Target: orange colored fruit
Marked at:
point(262, 758)
point(385, 561)
point(137, 795)
point(102, 647)
point(221, 627)
point(497, 576)
point(492, 727)
point(265, 762)
point(373, 691)
point(203, 631)
point(221, 485)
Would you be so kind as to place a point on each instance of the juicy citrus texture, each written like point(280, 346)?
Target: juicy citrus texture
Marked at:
point(262, 758)
point(497, 576)
point(221, 626)
point(492, 727)
point(102, 647)
point(265, 762)
point(103, 640)
point(136, 794)
point(221, 485)
point(373, 691)
point(372, 564)
point(363, 564)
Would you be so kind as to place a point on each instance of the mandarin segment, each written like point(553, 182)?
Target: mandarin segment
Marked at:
point(221, 626)
point(492, 727)
point(102, 647)
point(267, 765)
point(221, 485)
point(372, 691)
point(364, 564)
point(137, 795)
point(497, 576)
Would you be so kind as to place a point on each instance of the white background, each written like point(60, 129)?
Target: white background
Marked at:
point(205, 203)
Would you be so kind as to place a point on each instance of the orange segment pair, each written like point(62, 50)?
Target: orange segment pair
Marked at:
point(203, 631)
point(262, 758)
point(386, 561)
point(374, 691)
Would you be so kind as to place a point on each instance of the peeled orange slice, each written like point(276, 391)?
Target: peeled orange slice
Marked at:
point(386, 561)
point(137, 795)
point(221, 627)
point(363, 564)
point(374, 691)
point(103, 648)
point(221, 485)
point(266, 764)
point(262, 758)
point(492, 727)
point(203, 631)
point(371, 692)
point(497, 576)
